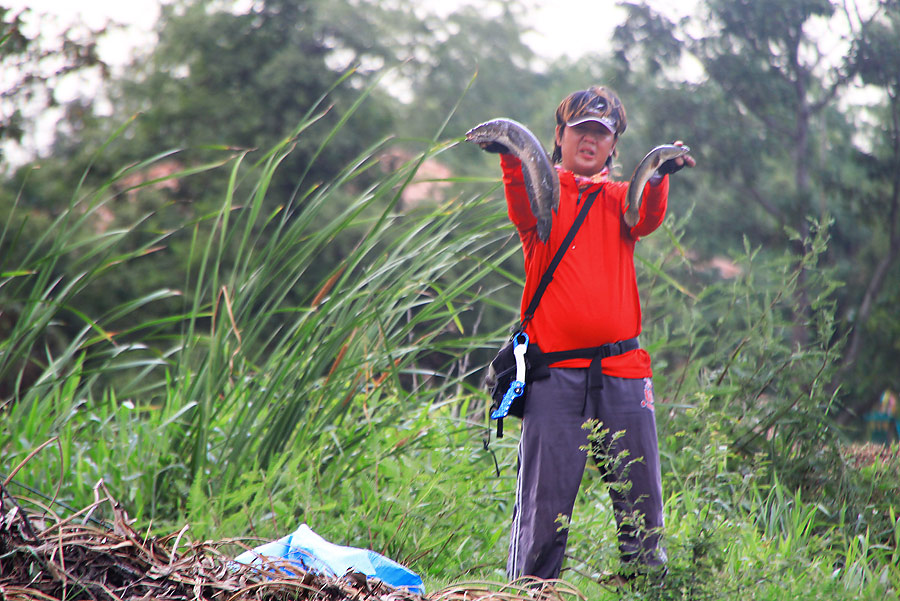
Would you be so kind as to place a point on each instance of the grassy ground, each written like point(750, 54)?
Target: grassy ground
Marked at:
point(265, 392)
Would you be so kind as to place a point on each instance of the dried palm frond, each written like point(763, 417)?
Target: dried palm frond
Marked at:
point(44, 557)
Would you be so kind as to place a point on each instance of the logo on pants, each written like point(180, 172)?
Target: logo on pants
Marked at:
point(648, 394)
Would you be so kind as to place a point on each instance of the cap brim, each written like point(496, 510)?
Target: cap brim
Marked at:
point(604, 121)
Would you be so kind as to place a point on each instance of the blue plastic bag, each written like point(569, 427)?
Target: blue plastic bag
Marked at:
point(313, 553)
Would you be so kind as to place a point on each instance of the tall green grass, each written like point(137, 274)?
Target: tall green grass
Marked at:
point(265, 391)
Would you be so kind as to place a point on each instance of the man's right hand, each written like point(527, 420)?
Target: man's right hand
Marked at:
point(496, 147)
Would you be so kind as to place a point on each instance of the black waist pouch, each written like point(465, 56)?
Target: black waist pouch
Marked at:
point(502, 371)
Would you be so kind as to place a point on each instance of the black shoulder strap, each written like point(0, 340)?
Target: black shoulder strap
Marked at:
point(548, 275)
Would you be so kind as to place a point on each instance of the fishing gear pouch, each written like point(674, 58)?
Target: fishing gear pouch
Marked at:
point(502, 371)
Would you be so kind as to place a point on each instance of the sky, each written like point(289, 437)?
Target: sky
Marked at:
point(559, 27)
point(569, 27)
point(139, 15)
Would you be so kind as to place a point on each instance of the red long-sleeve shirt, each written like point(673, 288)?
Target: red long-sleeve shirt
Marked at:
point(593, 298)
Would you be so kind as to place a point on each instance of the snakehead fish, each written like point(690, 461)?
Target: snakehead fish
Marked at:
point(642, 174)
point(541, 181)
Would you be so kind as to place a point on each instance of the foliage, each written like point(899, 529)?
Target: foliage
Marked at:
point(243, 350)
point(229, 78)
point(33, 67)
point(246, 427)
point(260, 335)
point(777, 143)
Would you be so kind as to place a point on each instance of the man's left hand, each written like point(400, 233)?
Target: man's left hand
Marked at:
point(677, 164)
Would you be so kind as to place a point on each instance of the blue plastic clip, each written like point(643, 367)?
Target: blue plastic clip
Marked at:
point(517, 386)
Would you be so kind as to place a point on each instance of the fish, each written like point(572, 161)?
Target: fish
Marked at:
point(642, 174)
point(541, 181)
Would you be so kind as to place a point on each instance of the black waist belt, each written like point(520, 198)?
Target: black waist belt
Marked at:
point(607, 350)
point(595, 354)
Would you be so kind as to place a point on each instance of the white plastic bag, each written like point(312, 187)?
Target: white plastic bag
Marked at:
point(313, 553)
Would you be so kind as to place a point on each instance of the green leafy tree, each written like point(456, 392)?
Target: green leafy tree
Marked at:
point(483, 43)
point(221, 81)
point(224, 80)
point(775, 139)
point(33, 67)
point(872, 350)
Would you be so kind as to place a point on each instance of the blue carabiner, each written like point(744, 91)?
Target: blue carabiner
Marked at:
point(517, 386)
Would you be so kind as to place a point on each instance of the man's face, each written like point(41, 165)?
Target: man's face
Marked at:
point(585, 147)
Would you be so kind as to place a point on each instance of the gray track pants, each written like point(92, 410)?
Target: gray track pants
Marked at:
point(552, 457)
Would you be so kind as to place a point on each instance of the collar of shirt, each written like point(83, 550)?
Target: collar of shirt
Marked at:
point(583, 182)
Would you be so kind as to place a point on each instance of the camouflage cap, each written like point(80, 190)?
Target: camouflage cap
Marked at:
point(597, 103)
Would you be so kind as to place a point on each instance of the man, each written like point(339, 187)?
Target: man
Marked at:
point(591, 307)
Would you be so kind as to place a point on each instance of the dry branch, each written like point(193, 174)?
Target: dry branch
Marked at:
point(46, 558)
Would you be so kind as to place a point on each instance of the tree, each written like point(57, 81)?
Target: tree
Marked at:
point(227, 79)
point(878, 58)
point(776, 139)
point(33, 66)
